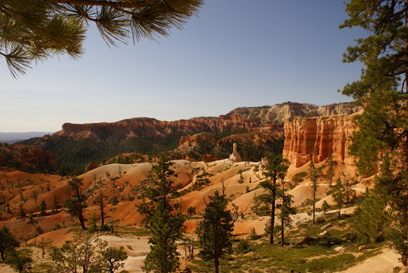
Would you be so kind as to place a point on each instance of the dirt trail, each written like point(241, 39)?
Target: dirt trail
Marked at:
point(382, 263)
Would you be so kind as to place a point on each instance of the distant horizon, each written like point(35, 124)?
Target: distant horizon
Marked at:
point(54, 131)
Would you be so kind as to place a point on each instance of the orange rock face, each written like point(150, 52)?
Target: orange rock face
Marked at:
point(26, 158)
point(239, 119)
point(324, 135)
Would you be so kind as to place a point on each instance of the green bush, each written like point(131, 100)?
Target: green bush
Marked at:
point(243, 247)
point(329, 263)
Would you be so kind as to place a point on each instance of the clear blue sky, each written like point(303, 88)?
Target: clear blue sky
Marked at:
point(235, 53)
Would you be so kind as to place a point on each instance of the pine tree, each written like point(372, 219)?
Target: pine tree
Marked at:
point(55, 205)
point(100, 201)
point(325, 207)
point(372, 217)
point(39, 29)
point(286, 211)
point(314, 174)
point(330, 163)
point(20, 260)
point(215, 230)
point(7, 242)
point(42, 207)
point(166, 221)
point(381, 142)
point(339, 195)
point(76, 204)
point(276, 168)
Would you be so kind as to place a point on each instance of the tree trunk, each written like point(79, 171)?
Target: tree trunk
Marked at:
point(273, 211)
point(282, 232)
point(81, 220)
point(102, 205)
point(216, 263)
point(314, 202)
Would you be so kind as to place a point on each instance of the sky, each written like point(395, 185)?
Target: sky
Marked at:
point(235, 53)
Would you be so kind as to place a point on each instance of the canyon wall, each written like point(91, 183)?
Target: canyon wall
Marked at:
point(239, 119)
point(149, 127)
point(323, 135)
point(279, 113)
point(26, 158)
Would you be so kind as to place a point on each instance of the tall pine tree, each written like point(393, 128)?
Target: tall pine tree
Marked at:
point(215, 230)
point(286, 211)
point(382, 141)
point(276, 167)
point(77, 203)
point(158, 203)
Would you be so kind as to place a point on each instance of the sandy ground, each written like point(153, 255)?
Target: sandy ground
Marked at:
point(382, 263)
point(136, 248)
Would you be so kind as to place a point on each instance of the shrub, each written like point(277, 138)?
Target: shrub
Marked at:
point(243, 247)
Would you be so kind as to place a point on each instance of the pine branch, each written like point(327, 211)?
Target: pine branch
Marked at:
point(17, 61)
point(113, 4)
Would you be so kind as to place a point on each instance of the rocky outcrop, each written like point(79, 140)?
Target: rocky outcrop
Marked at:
point(270, 115)
point(240, 119)
point(323, 135)
point(90, 166)
point(26, 158)
point(149, 127)
point(235, 157)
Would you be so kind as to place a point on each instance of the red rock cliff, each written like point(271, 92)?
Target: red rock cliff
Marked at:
point(240, 119)
point(151, 127)
point(26, 158)
point(323, 134)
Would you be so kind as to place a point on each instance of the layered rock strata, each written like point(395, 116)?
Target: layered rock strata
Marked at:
point(26, 158)
point(239, 119)
point(322, 135)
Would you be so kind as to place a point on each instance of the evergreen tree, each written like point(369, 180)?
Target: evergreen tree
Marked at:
point(42, 207)
point(20, 260)
point(286, 210)
point(339, 195)
point(166, 221)
point(38, 29)
point(100, 201)
point(276, 168)
point(215, 230)
point(76, 204)
point(325, 207)
point(381, 142)
point(7, 242)
point(314, 174)
point(21, 212)
point(55, 205)
point(330, 163)
point(372, 217)
point(112, 257)
point(191, 211)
